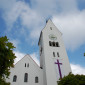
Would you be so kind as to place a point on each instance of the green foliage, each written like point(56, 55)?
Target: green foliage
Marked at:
point(3, 82)
point(84, 54)
point(6, 58)
point(72, 79)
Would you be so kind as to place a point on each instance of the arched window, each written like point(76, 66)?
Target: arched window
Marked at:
point(57, 44)
point(25, 64)
point(53, 54)
point(26, 77)
point(53, 43)
point(28, 65)
point(58, 54)
point(36, 80)
point(50, 43)
point(14, 78)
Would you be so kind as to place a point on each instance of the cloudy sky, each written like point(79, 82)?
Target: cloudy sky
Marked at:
point(22, 20)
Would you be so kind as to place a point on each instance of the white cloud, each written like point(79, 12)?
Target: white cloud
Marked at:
point(15, 42)
point(7, 4)
point(67, 6)
point(66, 17)
point(18, 55)
point(29, 18)
point(52, 7)
point(73, 28)
point(35, 57)
point(35, 33)
point(45, 7)
point(77, 69)
point(14, 13)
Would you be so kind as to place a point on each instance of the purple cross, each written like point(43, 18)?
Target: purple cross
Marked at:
point(59, 67)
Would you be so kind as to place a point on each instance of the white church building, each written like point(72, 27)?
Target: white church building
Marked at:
point(54, 63)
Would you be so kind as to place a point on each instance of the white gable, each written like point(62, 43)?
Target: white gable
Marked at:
point(49, 25)
point(20, 69)
point(28, 60)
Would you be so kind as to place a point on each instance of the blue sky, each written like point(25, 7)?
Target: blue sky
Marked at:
point(22, 20)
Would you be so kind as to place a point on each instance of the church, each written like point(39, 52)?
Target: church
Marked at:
point(54, 63)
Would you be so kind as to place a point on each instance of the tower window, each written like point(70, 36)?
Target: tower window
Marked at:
point(25, 64)
point(41, 67)
point(50, 43)
point(28, 65)
point(53, 43)
point(26, 77)
point(51, 28)
point(57, 44)
point(58, 54)
point(53, 54)
point(36, 80)
point(14, 78)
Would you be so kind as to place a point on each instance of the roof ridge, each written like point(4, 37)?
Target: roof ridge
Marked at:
point(31, 58)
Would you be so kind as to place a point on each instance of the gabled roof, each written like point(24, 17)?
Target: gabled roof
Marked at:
point(30, 58)
point(48, 21)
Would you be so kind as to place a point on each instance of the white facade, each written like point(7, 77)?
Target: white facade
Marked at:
point(54, 63)
point(31, 68)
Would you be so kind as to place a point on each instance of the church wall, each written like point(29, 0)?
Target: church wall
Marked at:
point(42, 60)
point(33, 70)
point(65, 60)
point(51, 75)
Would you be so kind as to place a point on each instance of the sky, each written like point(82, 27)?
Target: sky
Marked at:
point(22, 21)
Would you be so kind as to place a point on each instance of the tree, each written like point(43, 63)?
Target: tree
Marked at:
point(84, 54)
point(72, 79)
point(6, 59)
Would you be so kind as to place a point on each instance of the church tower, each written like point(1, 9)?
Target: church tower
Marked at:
point(53, 57)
